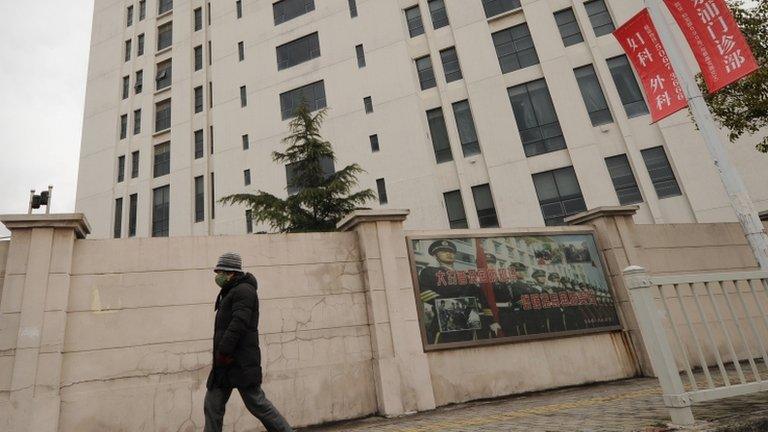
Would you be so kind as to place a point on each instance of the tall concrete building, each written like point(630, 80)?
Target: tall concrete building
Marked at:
point(470, 113)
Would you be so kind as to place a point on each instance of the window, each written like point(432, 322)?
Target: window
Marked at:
point(198, 99)
point(486, 212)
point(210, 53)
point(132, 204)
point(451, 64)
point(285, 10)
point(514, 48)
point(496, 7)
point(208, 8)
point(198, 57)
point(381, 187)
point(415, 25)
point(126, 86)
point(426, 73)
point(593, 96)
point(164, 36)
point(162, 161)
point(163, 115)
point(199, 149)
point(239, 8)
point(249, 221)
point(139, 85)
point(164, 75)
point(240, 51)
point(360, 56)
point(135, 164)
point(137, 122)
point(374, 143)
point(161, 200)
point(140, 45)
point(120, 169)
point(123, 126)
point(559, 195)
point(164, 6)
point(129, 16)
point(142, 9)
point(291, 173)
point(661, 172)
point(311, 94)
point(368, 104)
point(247, 177)
point(569, 27)
point(213, 198)
point(623, 180)
point(466, 125)
point(118, 228)
point(536, 118)
point(198, 19)
point(298, 51)
point(210, 138)
point(454, 206)
point(199, 199)
point(127, 50)
point(246, 142)
point(210, 94)
point(352, 8)
point(440, 142)
point(600, 18)
point(626, 84)
point(243, 97)
point(439, 14)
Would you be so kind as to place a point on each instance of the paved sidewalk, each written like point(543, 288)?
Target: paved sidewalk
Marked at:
point(630, 405)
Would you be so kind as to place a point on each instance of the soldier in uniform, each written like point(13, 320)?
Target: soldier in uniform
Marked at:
point(503, 296)
point(441, 283)
point(557, 313)
point(537, 320)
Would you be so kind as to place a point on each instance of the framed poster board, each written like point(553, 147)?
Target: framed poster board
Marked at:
point(486, 289)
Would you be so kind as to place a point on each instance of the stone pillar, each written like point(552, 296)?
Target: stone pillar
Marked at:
point(619, 243)
point(33, 311)
point(403, 381)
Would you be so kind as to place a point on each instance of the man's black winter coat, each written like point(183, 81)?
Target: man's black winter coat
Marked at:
point(236, 334)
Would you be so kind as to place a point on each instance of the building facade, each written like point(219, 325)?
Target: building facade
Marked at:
point(470, 113)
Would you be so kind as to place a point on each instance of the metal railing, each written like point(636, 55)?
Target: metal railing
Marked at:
point(712, 321)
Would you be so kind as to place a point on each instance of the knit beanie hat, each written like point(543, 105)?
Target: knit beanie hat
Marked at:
point(230, 262)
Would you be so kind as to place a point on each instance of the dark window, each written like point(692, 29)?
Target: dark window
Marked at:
point(164, 36)
point(162, 162)
point(247, 177)
point(291, 174)
point(210, 138)
point(623, 180)
point(164, 75)
point(374, 143)
point(210, 53)
point(495, 7)
point(163, 115)
point(451, 64)
point(199, 199)
point(140, 45)
point(569, 27)
point(599, 16)
point(440, 142)
point(161, 200)
point(239, 8)
point(663, 177)
point(413, 17)
point(213, 198)
point(137, 122)
point(198, 19)
point(210, 94)
point(164, 6)
point(426, 73)
point(466, 125)
point(285, 10)
point(199, 145)
point(360, 56)
point(626, 84)
point(240, 51)
point(559, 195)
point(486, 211)
point(368, 104)
point(381, 187)
point(243, 97)
point(120, 169)
point(129, 16)
point(593, 96)
point(439, 14)
point(454, 206)
point(135, 164)
point(298, 51)
point(198, 99)
point(198, 57)
point(514, 48)
point(249, 221)
point(139, 85)
point(311, 94)
point(536, 118)
point(132, 204)
point(246, 143)
point(123, 126)
point(127, 50)
point(126, 86)
point(142, 9)
point(208, 8)
point(118, 228)
point(352, 8)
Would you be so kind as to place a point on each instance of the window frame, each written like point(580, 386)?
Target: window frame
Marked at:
point(510, 59)
point(568, 39)
point(454, 74)
point(298, 51)
point(541, 145)
point(610, 25)
point(161, 159)
point(164, 36)
point(159, 115)
point(493, 8)
point(282, 17)
point(455, 223)
point(414, 29)
point(438, 15)
point(601, 113)
point(561, 199)
point(621, 71)
point(658, 181)
point(426, 72)
point(469, 146)
point(161, 211)
point(625, 185)
point(482, 188)
point(318, 102)
point(437, 130)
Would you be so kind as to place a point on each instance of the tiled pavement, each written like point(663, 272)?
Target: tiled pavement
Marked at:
point(630, 405)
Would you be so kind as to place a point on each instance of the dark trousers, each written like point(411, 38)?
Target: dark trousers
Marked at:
point(255, 401)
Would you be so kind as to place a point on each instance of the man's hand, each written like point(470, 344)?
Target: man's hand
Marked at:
point(495, 328)
point(223, 360)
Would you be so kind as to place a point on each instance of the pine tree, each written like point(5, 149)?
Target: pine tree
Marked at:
point(323, 199)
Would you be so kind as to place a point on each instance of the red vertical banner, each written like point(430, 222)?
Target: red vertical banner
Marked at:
point(641, 42)
point(486, 286)
point(717, 43)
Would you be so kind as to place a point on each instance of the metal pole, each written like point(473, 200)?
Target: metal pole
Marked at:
point(734, 185)
point(50, 195)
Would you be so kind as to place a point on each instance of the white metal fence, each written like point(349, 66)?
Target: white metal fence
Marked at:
point(712, 327)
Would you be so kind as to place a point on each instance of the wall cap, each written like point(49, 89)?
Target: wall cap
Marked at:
point(76, 221)
point(357, 217)
point(601, 212)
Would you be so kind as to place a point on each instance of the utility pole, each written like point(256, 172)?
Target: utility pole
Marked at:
point(734, 185)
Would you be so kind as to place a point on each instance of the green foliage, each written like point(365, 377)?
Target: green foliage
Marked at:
point(742, 107)
point(323, 200)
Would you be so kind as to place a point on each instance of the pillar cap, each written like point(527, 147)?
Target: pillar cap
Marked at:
point(601, 212)
point(360, 216)
point(76, 221)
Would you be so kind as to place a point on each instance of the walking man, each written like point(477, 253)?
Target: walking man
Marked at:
point(236, 353)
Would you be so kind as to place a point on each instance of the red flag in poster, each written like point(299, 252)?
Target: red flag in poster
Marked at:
point(717, 43)
point(641, 42)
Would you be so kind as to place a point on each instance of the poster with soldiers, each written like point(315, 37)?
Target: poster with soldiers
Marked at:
point(480, 290)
